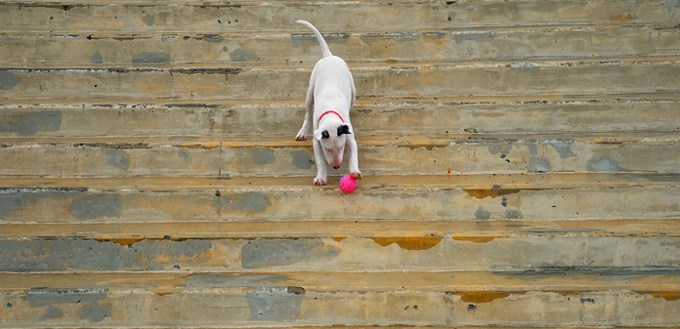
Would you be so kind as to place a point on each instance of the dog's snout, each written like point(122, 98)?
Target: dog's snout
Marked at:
point(336, 167)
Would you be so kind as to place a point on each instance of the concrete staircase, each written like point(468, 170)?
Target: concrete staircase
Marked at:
point(521, 163)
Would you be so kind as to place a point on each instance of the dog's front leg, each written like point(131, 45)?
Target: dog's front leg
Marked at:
point(321, 172)
point(353, 151)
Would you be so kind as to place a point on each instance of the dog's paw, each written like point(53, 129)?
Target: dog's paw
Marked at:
point(301, 135)
point(356, 174)
point(320, 181)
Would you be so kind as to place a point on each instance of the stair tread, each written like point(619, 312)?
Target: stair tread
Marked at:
point(552, 280)
point(493, 184)
point(416, 140)
point(473, 231)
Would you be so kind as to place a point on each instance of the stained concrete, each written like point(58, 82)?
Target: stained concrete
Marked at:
point(27, 124)
point(92, 255)
point(96, 206)
point(93, 307)
point(268, 253)
point(263, 156)
point(604, 163)
point(151, 58)
point(274, 305)
point(539, 165)
point(241, 55)
point(301, 159)
point(8, 80)
point(563, 148)
point(118, 159)
point(250, 202)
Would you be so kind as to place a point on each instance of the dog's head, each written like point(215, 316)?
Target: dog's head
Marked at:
point(332, 137)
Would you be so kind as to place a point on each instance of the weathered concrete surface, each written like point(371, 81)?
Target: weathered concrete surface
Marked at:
point(283, 118)
point(578, 249)
point(246, 16)
point(327, 297)
point(581, 198)
point(300, 50)
point(219, 83)
point(428, 155)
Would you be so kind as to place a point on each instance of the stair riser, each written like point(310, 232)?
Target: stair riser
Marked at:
point(84, 50)
point(249, 16)
point(376, 118)
point(206, 84)
point(531, 252)
point(258, 308)
point(328, 203)
point(209, 158)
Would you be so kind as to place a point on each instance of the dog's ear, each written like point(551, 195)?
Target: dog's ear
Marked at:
point(321, 134)
point(344, 129)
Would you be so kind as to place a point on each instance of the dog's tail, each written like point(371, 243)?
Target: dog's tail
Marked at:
point(322, 43)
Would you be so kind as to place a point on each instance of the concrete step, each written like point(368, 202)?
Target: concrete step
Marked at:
point(419, 81)
point(546, 115)
point(379, 155)
point(217, 16)
point(345, 298)
point(301, 50)
point(385, 245)
point(423, 198)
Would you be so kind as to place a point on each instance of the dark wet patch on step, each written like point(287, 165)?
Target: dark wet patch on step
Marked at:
point(241, 55)
point(96, 206)
point(117, 159)
point(604, 163)
point(563, 148)
point(104, 255)
point(539, 165)
point(91, 302)
point(27, 124)
point(263, 156)
point(275, 304)
point(482, 214)
point(151, 58)
point(277, 252)
point(250, 202)
point(8, 80)
point(462, 37)
point(301, 159)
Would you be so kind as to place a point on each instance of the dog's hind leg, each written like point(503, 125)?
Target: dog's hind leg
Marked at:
point(309, 102)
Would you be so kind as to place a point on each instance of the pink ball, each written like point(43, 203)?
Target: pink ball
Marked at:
point(348, 183)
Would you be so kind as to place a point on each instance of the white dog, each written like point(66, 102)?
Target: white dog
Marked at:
point(330, 96)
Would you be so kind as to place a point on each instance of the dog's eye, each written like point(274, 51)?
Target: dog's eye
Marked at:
point(344, 129)
point(324, 134)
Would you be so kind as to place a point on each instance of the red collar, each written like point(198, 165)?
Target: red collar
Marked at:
point(336, 113)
